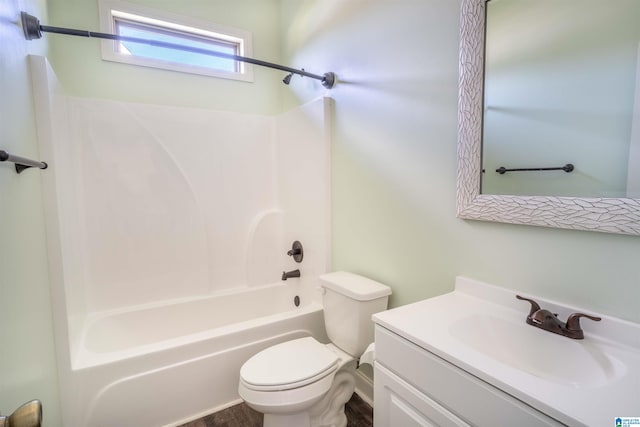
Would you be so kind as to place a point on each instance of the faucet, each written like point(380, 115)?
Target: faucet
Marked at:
point(544, 319)
point(288, 274)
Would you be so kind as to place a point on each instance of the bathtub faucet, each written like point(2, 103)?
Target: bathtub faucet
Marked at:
point(288, 274)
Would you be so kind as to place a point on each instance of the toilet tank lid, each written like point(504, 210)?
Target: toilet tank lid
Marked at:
point(354, 286)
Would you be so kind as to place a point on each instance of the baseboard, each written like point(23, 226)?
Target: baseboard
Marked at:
point(364, 387)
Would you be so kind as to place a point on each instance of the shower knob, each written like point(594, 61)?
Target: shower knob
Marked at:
point(296, 251)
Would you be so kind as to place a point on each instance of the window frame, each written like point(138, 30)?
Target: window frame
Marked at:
point(112, 10)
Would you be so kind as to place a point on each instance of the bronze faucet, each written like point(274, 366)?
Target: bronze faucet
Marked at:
point(288, 274)
point(544, 319)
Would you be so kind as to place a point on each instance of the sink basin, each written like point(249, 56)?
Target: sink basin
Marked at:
point(540, 353)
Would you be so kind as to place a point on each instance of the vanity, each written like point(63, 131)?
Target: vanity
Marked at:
point(468, 358)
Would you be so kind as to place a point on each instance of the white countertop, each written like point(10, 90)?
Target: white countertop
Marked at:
point(481, 329)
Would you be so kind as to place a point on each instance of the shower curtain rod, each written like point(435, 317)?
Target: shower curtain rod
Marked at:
point(33, 30)
point(21, 163)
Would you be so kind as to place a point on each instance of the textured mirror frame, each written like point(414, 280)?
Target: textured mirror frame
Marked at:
point(609, 215)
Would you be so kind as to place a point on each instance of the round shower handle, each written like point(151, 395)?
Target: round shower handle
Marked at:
point(296, 251)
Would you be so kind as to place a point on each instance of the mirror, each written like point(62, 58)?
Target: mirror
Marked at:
point(573, 211)
point(559, 86)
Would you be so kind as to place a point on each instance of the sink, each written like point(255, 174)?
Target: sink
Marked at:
point(482, 330)
point(576, 363)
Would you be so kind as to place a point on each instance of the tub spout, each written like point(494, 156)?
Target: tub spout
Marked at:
point(288, 274)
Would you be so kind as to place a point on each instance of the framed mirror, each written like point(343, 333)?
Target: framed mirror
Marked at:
point(604, 214)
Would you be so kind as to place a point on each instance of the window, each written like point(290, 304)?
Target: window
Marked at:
point(140, 22)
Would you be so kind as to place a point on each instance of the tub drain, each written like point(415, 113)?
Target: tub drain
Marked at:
point(296, 300)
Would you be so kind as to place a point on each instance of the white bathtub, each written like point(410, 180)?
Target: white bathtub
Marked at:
point(167, 364)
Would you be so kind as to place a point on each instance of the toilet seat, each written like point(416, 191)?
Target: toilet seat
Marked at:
point(289, 365)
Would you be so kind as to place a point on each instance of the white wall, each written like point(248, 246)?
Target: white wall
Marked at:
point(27, 355)
point(156, 203)
point(303, 138)
point(167, 197)
point(394, 165)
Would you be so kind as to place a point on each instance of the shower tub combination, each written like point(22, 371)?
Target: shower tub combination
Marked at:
point(169, 364)
point(163, 280)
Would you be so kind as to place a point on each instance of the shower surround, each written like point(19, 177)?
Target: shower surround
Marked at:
point(168, 230)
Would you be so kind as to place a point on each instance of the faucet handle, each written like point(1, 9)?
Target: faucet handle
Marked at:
point(534, 305)
point(296, 251)
point(573, 322)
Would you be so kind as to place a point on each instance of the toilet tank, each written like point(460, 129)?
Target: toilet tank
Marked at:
point(349, 302)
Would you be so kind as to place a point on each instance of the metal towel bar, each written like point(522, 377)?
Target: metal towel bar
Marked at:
point(567, 168)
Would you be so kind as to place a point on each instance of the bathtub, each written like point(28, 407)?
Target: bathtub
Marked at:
point(170, 363)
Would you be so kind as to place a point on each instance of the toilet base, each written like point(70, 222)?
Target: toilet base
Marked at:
point(300, 419)
point(328, 411)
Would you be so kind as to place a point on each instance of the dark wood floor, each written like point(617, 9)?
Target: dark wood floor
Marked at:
point(359, 414)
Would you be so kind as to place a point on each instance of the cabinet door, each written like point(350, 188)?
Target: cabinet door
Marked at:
point(397, 403)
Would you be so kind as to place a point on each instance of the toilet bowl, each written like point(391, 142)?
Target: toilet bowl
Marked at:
point(305, 383)
point(291, 391)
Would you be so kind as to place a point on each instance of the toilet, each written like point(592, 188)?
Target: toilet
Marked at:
point(304, 383)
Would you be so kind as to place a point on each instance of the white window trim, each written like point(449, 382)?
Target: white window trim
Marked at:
point(207, 29)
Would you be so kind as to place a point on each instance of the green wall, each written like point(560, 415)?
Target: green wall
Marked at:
point(394, 165)
point(82, 72)
point(27, 352)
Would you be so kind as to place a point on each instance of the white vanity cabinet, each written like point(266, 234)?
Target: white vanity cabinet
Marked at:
point(469, 358)
point(414, 387)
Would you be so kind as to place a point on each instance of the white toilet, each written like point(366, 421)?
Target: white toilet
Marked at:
point(304, 383)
